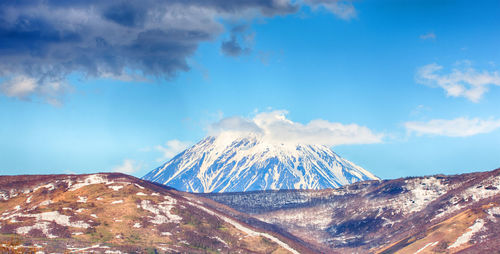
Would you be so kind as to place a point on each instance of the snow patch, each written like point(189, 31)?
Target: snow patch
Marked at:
point(427, 245)
point(116, 187)
point(4, 196)
point(422, 192)
point(492, 212)
point(88, 249)
point(117, 202)
point(43, 221)
point(58, 218)
point(89, 180)
point(220, 240)
point(42, 226)
point(478, 225)
point(113, 252)
point(161, 211)
point(49, 186)
point(138, 186)
point(46, 202)
point(82, 199)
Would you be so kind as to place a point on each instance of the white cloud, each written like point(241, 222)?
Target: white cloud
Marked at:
point(20, 87)
point(459, 127)
point(23, 87)
point(128, 167)
point(463, 81)
point(428, 36)
point(172, 148)
point(274, 127)
point(342, 9)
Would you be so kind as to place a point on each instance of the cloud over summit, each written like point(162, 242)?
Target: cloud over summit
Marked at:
point(275, 127)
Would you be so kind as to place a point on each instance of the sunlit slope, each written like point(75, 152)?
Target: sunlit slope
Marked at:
point(103, 212)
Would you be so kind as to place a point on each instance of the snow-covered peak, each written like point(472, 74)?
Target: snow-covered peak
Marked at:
point(231, 162)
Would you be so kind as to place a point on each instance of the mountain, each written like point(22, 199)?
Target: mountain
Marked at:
point(230, 164)
point(116, 213)
point(431, 214)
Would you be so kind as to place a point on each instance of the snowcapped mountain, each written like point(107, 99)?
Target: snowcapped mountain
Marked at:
point(229, 163)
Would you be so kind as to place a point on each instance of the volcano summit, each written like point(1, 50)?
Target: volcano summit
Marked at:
point(228, 163)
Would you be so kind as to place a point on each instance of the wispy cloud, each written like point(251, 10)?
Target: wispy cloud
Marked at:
point(172, 148)
point(419, 110)
point(463, 81)
point(342, 9)
point(459, 127)
point(428, 36)
point(274, 127)
point(128, 167)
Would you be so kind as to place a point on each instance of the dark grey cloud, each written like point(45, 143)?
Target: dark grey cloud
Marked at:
point(239, 41)
point(232, 47)
point(43, 41)
point(125, 14)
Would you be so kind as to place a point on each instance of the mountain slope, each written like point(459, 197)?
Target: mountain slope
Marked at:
point(116, 213)
point(230, 164)
point(432, 214)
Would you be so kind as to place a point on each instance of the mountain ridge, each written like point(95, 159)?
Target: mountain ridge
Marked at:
point(437, 213)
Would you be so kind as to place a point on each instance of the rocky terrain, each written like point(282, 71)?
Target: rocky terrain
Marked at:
point(432, 214)
point(116, 213)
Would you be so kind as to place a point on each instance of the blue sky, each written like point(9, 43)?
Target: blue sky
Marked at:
point(424, 75)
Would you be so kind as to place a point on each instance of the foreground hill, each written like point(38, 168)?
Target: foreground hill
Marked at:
point(433, 214)
point(227, 163)
point(113, 213)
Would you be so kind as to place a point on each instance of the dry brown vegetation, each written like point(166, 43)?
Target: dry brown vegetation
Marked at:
point(117, 218)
